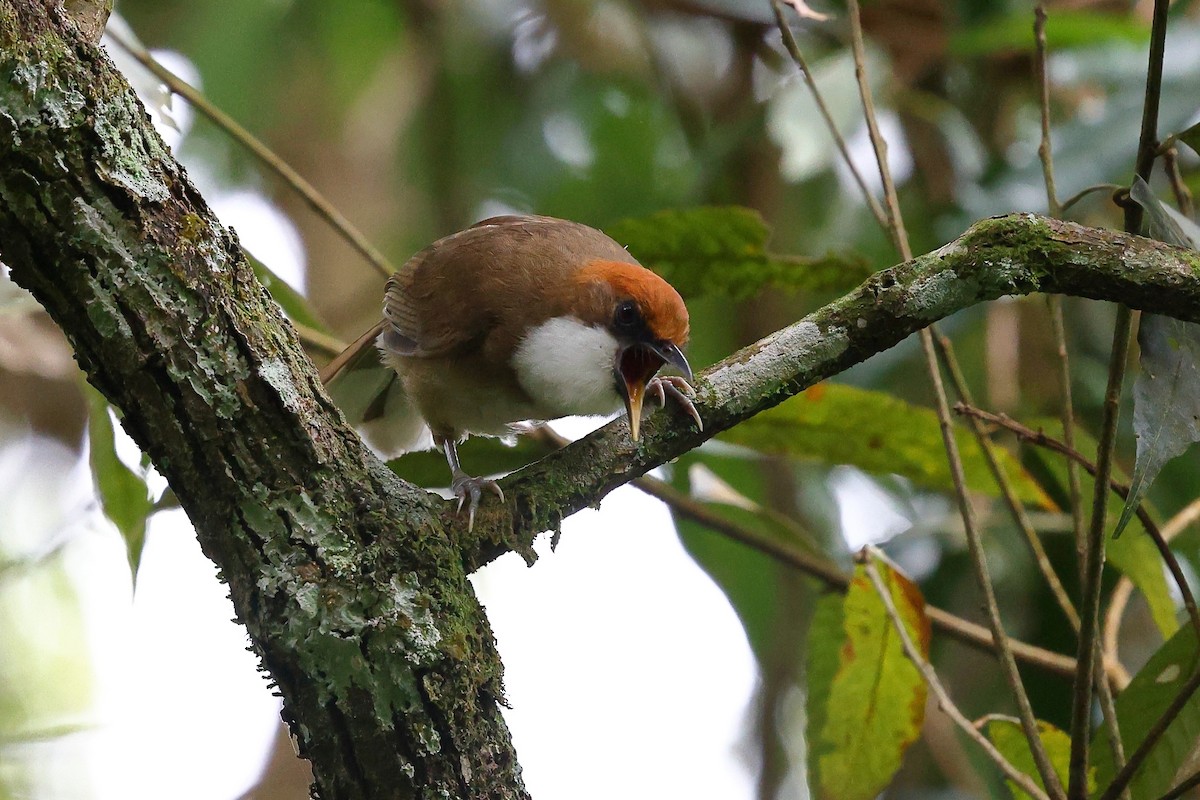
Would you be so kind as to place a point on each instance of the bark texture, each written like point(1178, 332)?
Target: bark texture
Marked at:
point(352, 590)
point(352, 585)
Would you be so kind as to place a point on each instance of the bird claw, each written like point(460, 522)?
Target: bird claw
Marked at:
point(464, 486)
point(679, 390)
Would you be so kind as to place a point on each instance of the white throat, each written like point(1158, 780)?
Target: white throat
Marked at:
point(567, 368)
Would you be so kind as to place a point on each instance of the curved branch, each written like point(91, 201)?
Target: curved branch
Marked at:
point(1014, 254)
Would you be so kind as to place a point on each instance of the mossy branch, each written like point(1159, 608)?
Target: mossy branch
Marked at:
point(1015, 254)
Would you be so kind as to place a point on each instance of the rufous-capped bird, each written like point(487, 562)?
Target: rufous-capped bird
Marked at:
point(516, 319)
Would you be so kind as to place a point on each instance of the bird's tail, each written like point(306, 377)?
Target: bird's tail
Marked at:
point(373, 399)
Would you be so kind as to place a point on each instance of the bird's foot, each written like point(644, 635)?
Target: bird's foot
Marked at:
point(469, 490)
point(679, 390)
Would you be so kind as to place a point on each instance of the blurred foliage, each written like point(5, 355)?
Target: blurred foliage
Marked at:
point(1139, 707)
point(123, 493)
point(876, 432)
point(1135, 556)
point(723, 252)
point(684, 130)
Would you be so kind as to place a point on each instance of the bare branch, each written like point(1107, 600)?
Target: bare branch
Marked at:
point(316, 201)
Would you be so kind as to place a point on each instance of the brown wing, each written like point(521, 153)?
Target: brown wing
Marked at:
point(363, 346)
point(464, 288)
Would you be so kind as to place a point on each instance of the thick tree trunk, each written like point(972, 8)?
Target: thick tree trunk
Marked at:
point(355, 596)
point(353, 585)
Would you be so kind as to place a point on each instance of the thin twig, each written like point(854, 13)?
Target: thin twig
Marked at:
point(1007, 492)
point(1074, 485)
point(1094, 564)
point(1122, 333)
point(975, 545)
point(1121, 595)
point(1044, 150)
point(315, 200)
point(1183, 788)
point(1152, 737)
point(1045, 153)
point(967, 632)
point(935, 685)
point(1082, 193)
point(1108, 711)
point(983, 577)
point(793, 48)
point(1039, 553)
point(1183, 519)
point(891, 201)
point(318, 341)
point(1183, 195)
point(1121, 489)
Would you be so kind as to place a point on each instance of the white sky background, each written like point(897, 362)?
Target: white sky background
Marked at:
point(617, 650)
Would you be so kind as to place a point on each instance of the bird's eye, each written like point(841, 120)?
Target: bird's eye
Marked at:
point(626, 317)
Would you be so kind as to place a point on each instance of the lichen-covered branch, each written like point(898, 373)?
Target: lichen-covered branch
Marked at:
point(353, 594)
point(1015, 254)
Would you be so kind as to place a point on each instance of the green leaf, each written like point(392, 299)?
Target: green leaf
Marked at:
point(291, 301)
point(1065, 29)
point(1138, 559)
point(826, 638)
point(1135, 556)
point(123, 493)
point(723, 251)
point(1139, 707)
point(876, 702)
point(1166, 396)
point(1009, 737)
point(877, 432)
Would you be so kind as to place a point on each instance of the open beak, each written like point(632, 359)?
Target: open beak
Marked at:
point(636, 365)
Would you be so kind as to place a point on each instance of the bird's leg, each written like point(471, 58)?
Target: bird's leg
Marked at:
point(679, 390)
point(462, 485)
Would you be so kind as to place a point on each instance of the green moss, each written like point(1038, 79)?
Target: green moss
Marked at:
point(193, 229)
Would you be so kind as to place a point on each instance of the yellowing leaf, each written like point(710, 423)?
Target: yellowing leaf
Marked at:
point(1009, 737)
point(877, 432)
point(876, 701)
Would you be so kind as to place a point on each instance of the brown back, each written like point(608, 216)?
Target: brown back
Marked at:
point(480, 288)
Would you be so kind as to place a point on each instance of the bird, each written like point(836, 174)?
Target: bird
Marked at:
point(514, 321)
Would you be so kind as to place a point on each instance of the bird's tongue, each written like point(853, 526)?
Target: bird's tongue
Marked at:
point(638, 365)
